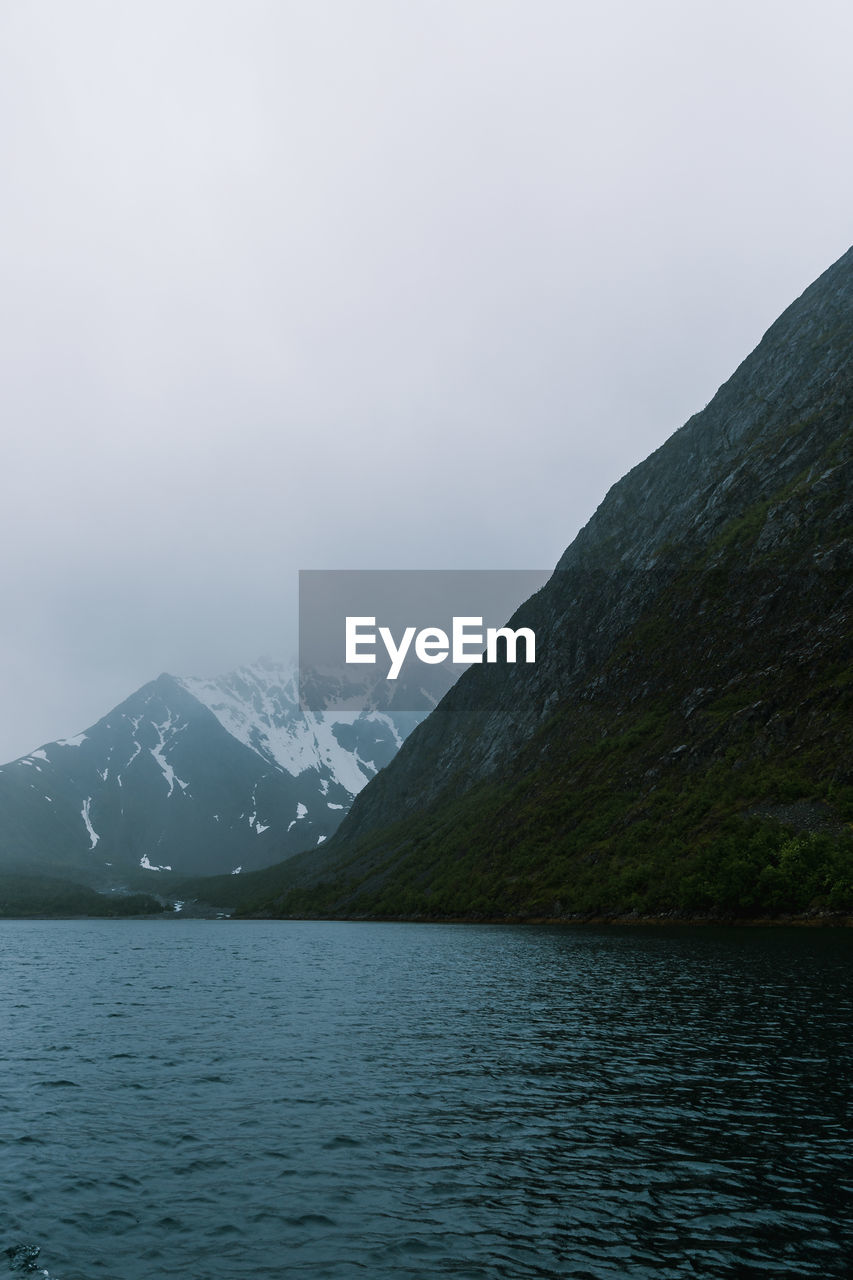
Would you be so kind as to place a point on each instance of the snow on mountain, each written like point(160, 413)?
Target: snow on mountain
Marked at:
point(259, 706)
point(194, 776)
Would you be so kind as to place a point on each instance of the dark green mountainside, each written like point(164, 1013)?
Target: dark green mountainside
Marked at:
point(683, 742)
point(41, 896)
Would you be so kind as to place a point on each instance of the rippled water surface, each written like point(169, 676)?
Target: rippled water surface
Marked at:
point(221, 1101)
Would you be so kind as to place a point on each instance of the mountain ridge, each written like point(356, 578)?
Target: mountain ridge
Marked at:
point(192, 776)
point(725, 554)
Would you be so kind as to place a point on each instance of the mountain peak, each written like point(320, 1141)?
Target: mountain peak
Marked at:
point(192, 775)
point(692, 677)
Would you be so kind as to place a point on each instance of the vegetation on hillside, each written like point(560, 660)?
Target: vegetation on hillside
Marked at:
point(710, 777)
point(43, 896)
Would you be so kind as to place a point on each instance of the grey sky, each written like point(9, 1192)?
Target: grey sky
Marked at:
point(366, 284)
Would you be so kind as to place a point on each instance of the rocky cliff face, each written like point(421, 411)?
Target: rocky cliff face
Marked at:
point(692, 673)
point(772, 449)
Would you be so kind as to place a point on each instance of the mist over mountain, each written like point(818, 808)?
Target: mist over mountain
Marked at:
point(683, 742)
point(192, 776)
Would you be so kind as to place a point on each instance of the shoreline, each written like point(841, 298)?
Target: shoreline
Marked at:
point(812, 920)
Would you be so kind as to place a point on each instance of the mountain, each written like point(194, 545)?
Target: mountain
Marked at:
point(683, 743)
point(191, 776)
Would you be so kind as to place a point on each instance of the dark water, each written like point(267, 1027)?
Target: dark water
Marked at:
point(222, 1101)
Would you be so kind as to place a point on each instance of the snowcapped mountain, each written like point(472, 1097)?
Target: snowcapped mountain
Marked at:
point(194, 776)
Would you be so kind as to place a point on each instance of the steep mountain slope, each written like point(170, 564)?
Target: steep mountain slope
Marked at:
point(195, 776)
point(684, 740)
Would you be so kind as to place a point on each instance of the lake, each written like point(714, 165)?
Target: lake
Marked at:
point(223, 1100)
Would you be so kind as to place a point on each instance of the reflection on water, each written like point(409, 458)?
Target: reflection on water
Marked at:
point(216, 1100)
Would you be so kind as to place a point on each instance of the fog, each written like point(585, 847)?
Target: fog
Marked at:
point(329, 285)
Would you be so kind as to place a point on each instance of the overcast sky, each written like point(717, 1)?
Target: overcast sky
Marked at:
point(367, 284)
